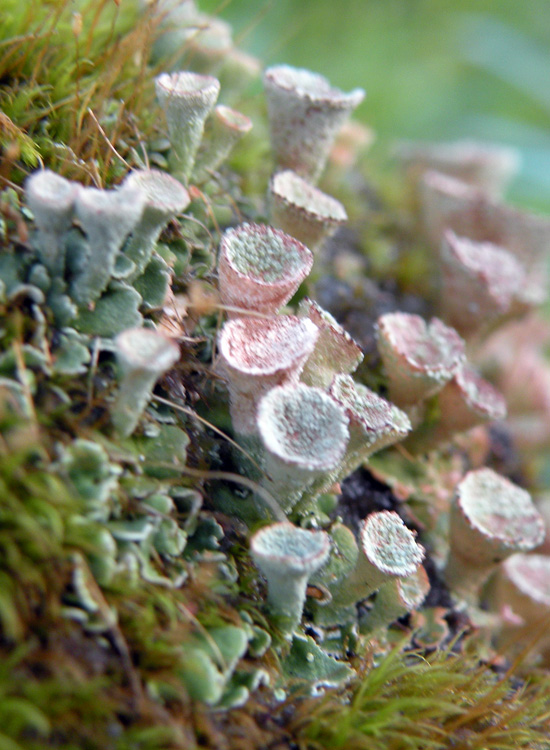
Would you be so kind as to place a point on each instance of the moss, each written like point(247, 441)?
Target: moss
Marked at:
point(413, 700)
point(59, 108)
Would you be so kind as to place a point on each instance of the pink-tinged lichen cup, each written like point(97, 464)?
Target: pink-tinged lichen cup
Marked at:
point(335, 351)
point(419, 357)
point(486, 166)
point(305, 114)
point(374, 423)
point(352, 140)
point(522, 597)
point(450, 204)
point(491, 519)
point(481, 284)
point(258, 354)
point(465, 402)
point(260, 268)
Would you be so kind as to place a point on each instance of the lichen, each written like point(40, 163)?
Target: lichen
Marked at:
point(391, 546)
point(135, 610)
point(264, 256)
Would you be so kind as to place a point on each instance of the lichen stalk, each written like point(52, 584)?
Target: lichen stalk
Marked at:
point(223, 131)
point(288, 556)
point(481, 283)
point(165, 199)
point(51, 198)
point(107, 218)
point(143, 356)
point(187, 99)
point(304, 433)
point(388, 549)
point(395, 599)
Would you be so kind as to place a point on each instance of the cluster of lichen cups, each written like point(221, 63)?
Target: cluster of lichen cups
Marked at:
point(95, 265)
point(299, 416)
point(491, 260)
point(293, 404)
point(491, 256)
point(423, 362)
point(95, 251)
point(426, 364)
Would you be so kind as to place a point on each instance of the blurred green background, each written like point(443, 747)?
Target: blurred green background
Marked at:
point(433, 69)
